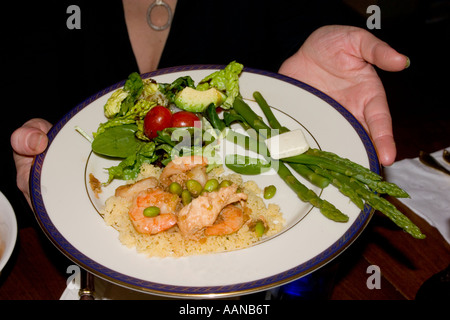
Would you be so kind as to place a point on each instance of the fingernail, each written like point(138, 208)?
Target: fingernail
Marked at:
point(408, 63)
point(34, 140)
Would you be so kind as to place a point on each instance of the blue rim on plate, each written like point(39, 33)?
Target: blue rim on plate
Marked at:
point(87, 263)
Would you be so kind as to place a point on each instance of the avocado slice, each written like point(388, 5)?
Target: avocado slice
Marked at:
point(193, 100)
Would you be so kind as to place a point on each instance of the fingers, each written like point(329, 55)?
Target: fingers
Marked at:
point(379, 53)
point(23, 168)
point(376, 112)
point(379, 123)
point(386, 148)
point(31, 138)
point(28, 141)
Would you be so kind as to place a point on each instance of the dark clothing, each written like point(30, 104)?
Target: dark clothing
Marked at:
point(49, 68)
point(70, 65)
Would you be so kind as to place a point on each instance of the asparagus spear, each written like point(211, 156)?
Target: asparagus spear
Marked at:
point(376, 184)
point(303, 192)
point(330, 164)
point(273, 121)
point(329, 160)
point(302, 169)
point(346, 189)
point(343, 161)
point(255, 121)
point(265, 131)
point(353, 179)
point(314, 156)
point(315, 178)
point(307, 195)
point(320, 171)
point(382, 205)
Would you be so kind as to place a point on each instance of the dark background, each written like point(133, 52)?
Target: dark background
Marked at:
point(47, 69)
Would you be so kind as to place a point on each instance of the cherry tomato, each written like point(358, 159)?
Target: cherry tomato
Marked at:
point(158, 118)
point(185, 119)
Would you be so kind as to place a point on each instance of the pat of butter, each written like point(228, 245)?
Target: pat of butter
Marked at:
point(287, 144)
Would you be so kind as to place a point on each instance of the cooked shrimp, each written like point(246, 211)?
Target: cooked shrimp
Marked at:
point(165, 201)
point(203, 211)
point(230, 220)
point(129, 191)
point(184, 168)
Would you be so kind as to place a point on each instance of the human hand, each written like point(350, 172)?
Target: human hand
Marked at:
point(27, 142)
point(338, 60)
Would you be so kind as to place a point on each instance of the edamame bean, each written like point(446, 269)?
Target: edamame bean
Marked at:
point(151, 211)
point(186, 197)
point(260, 228)
point(194, 187)
point(211, 185)
point(225, 183)
point(175, 188)
point(269, 191)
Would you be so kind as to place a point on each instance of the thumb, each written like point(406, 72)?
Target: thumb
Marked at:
point(379, 53)
point(31, 139)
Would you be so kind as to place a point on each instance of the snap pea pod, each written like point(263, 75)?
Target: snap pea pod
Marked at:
point(213, 118)
point(248, 143)
point(246, 165)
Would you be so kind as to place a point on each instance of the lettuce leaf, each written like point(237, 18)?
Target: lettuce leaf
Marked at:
point(225, 80)
point(135, 115)
point(123, 99)
point(129, 168)
point(170, 90)
point(134, 86)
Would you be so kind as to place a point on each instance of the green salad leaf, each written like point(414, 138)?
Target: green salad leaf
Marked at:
point(225, 80)
point(134, 86)
point(170, 90)
point(116, 142)
point(124, 98)
point(135, 115)
point(122, 135)
point(129, 168)
point(112, 106)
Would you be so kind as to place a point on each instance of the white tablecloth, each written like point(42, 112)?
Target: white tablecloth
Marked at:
point(429, 190)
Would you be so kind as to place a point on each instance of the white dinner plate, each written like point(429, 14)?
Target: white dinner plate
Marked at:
point(68, 212)
point(8, 230)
